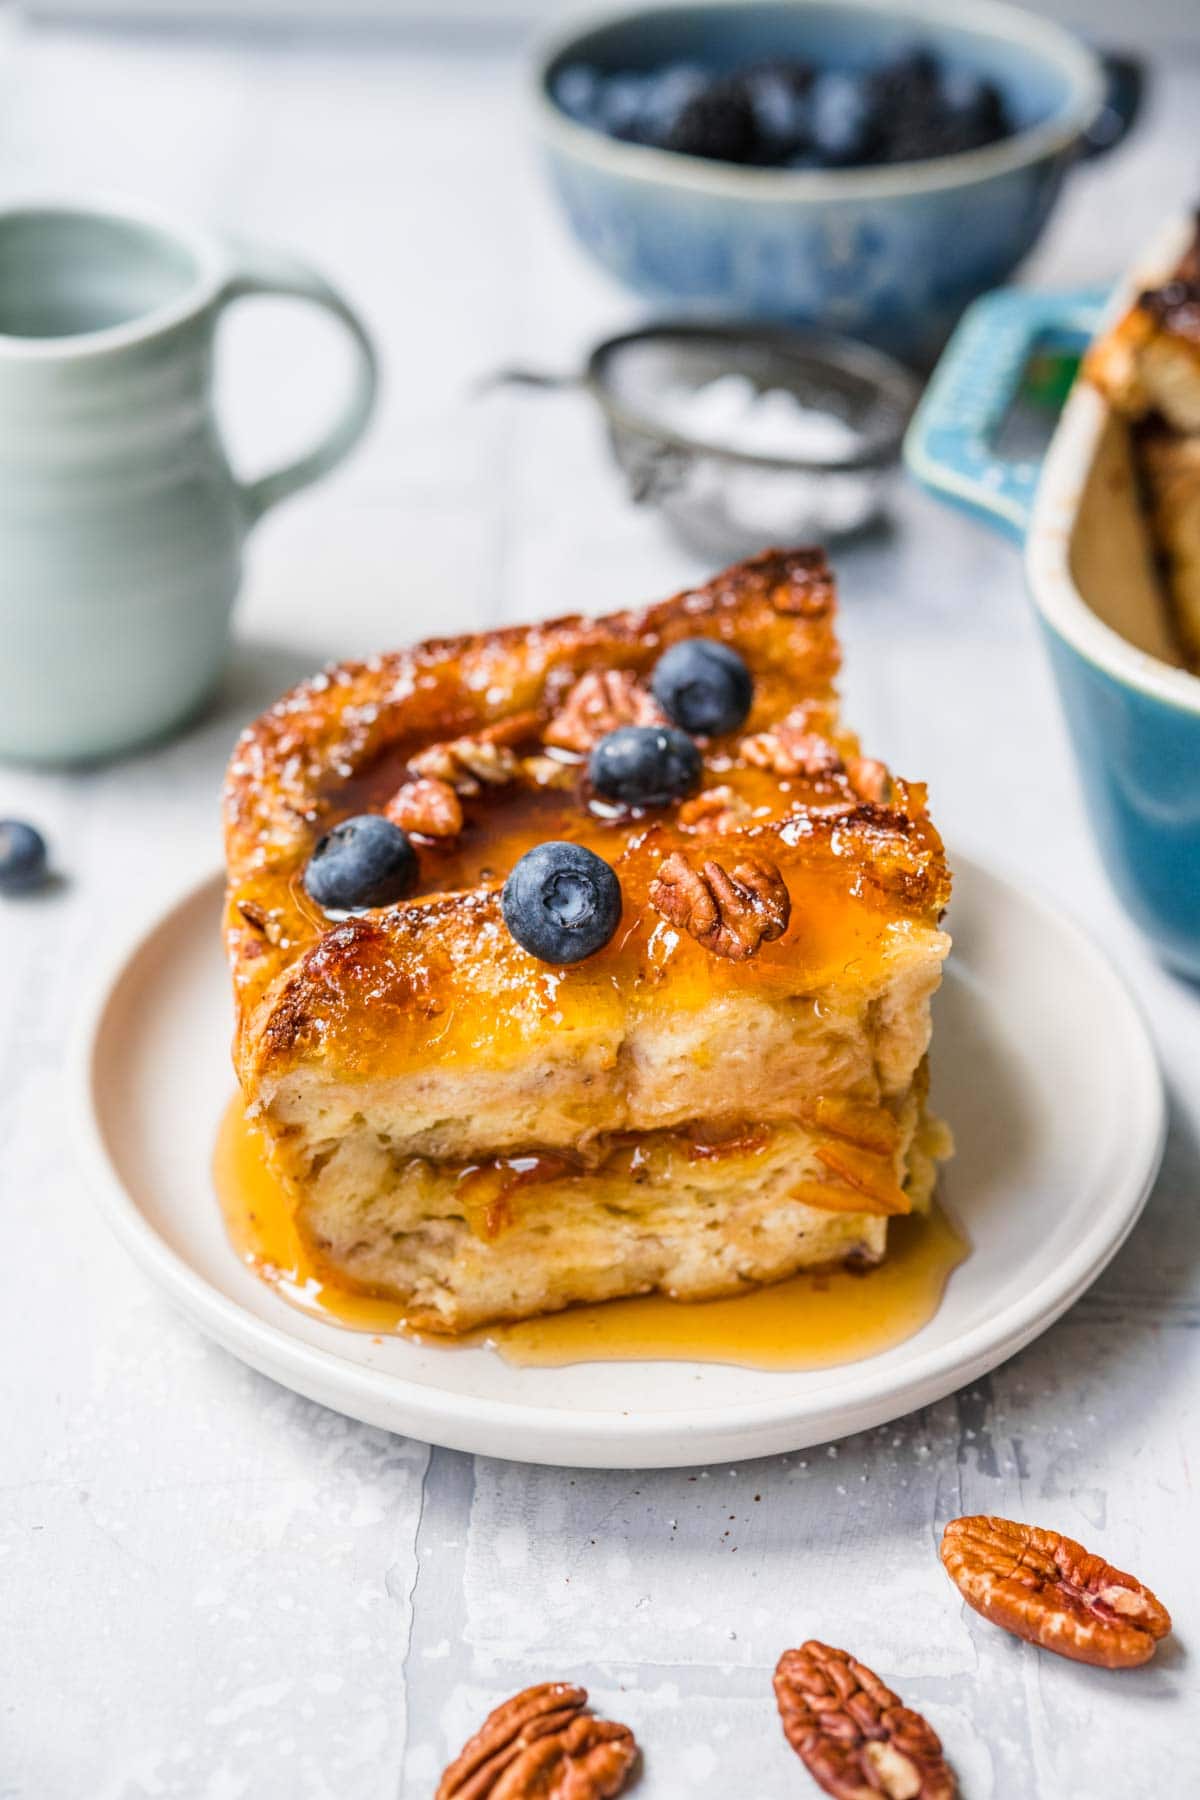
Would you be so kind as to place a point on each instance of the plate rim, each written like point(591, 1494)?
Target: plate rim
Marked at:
point(678, 1437)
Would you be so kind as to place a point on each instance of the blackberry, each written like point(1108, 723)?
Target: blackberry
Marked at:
point(717, 123)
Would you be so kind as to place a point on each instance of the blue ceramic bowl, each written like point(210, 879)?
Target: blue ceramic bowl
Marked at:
point(890, 254)
point(1132, 713)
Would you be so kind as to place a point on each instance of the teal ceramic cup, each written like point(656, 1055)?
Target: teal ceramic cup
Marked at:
point(1132, 712)
point(121, 521)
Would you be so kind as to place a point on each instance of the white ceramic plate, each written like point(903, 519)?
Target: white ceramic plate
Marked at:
point(1041, 1063)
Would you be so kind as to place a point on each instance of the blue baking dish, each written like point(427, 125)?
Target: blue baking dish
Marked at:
point(1133, 712)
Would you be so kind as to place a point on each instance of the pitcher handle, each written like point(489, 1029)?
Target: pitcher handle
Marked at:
point(950, 443)
point(258, 271)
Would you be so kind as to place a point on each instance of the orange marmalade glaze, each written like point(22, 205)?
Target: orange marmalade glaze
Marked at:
point(814, 1320)
point(438, 979)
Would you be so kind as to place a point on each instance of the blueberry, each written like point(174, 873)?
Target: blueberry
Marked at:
point(22, 857)
point(843, 119)
point(577, 91)
point(665, 97)
point(622, 104)
point(779, 99)
point(973, 107)
point(962, 90)
point(703, 686)
point(561, 902)
point(366, 861)
point(645, 765)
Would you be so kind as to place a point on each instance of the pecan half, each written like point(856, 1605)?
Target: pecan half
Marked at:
point(791, 747)
point(599, 702)
point(549, 772)
point(513, 728)
point(428, 806)
point(259, 918)
point(852, 1734)
point(1049, 1590)
point(467, 764)
point(802, 584)
point(718, 810)
point(870, 779)
point(730, 912)
point(541, 1745)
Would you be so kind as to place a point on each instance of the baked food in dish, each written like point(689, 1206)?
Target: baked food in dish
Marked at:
point(1169, 465)
point(1150, 361)
point(1148, 367)
point(731, 1088)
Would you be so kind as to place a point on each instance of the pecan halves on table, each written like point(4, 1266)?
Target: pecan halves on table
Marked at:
point(730, 912)
point(428, 806)
point(541, 1745)
point(852, 1734)
point(599, 702)
point(1050, 1591)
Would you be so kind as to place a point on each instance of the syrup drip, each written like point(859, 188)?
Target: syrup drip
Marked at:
point(813, 1320)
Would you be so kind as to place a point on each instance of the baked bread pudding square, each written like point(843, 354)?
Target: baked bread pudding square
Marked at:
point(587, 959)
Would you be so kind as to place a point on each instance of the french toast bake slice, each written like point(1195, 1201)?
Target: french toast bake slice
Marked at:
point(1148, 368)
point(731, 1088)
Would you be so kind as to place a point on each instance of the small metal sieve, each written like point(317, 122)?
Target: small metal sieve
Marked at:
point(724, 501)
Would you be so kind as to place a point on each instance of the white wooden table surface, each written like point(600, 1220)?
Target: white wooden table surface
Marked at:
point(213, 1589)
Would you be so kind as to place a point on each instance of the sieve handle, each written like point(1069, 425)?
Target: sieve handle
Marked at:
point(530, 378)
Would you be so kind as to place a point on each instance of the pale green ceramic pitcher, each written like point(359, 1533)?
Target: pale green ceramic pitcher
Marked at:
point(121, 522)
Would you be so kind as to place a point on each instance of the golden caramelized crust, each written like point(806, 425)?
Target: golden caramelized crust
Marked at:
point(285, 779)
point(383, 986)
point(778, 944)
point(1149, 362)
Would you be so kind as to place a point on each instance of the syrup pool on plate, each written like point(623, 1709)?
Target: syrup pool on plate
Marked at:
point(811, 1321)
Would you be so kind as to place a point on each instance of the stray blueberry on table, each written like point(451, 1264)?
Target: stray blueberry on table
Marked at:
point(645, 765)
point(704, 686)
point(22, 857)
point(365, 861)
point(562, 902)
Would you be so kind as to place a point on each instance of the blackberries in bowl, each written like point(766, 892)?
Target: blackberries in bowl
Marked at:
point(790, 113)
